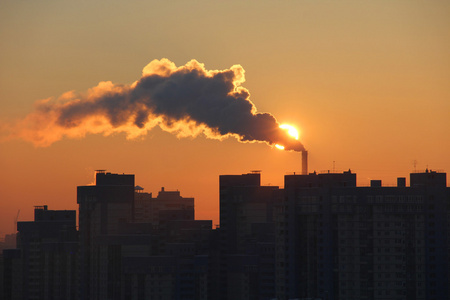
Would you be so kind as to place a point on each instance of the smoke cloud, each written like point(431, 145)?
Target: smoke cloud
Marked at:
point(187, 101)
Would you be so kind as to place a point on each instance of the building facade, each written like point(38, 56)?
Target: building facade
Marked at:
point(48, 249)
point(247, 238)
point(103, 209)
point(134, 246)
point(339, 241)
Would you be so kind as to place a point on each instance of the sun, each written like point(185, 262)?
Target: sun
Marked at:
point(291, 130)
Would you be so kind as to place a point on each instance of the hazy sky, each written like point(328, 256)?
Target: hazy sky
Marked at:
point(366, 83)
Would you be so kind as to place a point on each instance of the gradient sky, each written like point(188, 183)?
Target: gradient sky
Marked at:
point(366, 82)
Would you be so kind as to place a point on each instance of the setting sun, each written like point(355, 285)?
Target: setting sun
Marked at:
point(291, 130)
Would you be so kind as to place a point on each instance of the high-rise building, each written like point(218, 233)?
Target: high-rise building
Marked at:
point(338, 241)
point(134, 246)
point(103, 209)
point(48, 255)
point(247, 238)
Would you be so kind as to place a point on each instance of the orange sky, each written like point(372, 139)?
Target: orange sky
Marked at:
point(367, 84)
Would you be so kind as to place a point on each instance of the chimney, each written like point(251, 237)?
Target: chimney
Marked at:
point(304, 162)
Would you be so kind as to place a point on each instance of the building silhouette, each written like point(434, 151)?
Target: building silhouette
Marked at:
point(339, 241)
point(134, 246)
point(247, 237)
point(168, 205)
point(319, 237)
point(11, 284)
point(104, 208)
point(44, 265)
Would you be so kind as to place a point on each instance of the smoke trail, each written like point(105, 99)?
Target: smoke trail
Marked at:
point(187, 100)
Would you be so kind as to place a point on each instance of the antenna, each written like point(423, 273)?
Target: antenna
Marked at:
point(334, 166)
point(415, 165)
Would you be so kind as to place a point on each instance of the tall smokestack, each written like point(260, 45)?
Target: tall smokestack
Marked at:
point(304, 162)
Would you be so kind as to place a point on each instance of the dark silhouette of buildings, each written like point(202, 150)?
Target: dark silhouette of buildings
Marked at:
point(134, 246)
point(168, 205)
point(339, 241)
point(104, 208)
point(11, 276)
point(44, 265)
point(247, 237)
point(320, 237)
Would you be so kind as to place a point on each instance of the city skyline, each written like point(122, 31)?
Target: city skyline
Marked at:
point(366, 85)
point(320, 237)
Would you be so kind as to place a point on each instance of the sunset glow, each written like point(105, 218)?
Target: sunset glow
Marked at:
point(291, 130)
point(359, 81)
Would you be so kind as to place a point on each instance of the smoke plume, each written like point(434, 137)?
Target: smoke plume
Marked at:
point(187, 101)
